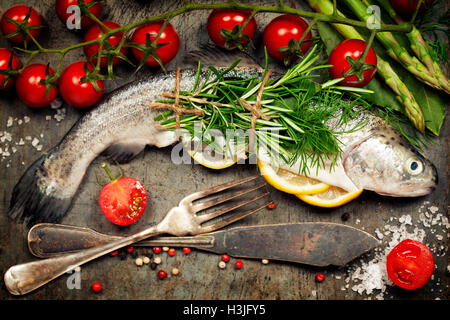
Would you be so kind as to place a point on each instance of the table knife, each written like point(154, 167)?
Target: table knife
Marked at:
point(310, 243)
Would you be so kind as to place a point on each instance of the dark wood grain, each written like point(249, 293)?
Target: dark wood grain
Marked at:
point(200, 277)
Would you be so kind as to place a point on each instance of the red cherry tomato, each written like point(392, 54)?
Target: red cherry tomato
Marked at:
point(61, 10)
point(76, 93)
point(281, 30)
point(165, 53)
point(94, 33)
point(18, 13)
point(406, 8)
point(410, 264)
point(29, 88)
point(228, 19)
point(123, 200)
point(5, 56)
point(353, 48)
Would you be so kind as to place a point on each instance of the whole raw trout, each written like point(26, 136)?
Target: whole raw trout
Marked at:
point(375, 158)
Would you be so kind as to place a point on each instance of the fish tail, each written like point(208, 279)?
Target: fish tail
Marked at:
point(32, 201)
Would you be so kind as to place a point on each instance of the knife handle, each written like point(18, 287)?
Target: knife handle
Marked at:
point(48, 240)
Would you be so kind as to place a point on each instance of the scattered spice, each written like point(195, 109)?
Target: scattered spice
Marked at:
point(156, 250)
point(165, 249)
point(162, 274)
point(265, 261)
point(320, 277)
point(146, 260)
point(345, 216)
point(186, 250)
point(171, 252)
point(238, 264)
point(96, 287)
point(157, 260)
point(139, 262)
point(222, 265)
point(175, 271)
point(114, 253)
point(225, 258)
point(271, 205)
point(153, 266)
point(130, 249)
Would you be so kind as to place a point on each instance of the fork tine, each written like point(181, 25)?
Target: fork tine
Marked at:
point(218, 200)
point(208, 216)
point(200, 194)
point(224, 222)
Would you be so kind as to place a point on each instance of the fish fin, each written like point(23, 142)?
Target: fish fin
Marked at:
point(123, 152)
point(31, 203)
point(218, 57)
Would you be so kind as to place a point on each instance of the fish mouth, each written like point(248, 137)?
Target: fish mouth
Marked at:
point(423, 191)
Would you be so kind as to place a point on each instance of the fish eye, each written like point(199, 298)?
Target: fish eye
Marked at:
point(414, 166)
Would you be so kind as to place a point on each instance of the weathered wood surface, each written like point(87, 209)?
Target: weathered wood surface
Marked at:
point(200, 277)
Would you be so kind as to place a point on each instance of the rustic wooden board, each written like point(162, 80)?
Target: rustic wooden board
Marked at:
point(200, 277)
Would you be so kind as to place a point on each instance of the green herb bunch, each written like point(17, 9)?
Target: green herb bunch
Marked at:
point(296, 109)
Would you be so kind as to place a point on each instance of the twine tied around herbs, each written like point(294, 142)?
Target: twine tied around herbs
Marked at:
point(175, 107)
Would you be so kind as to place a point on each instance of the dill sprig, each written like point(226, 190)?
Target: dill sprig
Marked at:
point(296, 107)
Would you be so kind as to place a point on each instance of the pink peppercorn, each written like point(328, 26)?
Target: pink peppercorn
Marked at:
point(320, 277)
point(239, 264)
point(171, 252)
point(156, 250)
point(162, 274)
point(225, 258)
point(271, 205)
point(186, 250)
point(96, 287)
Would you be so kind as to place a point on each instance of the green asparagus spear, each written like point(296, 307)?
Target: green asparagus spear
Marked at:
point(394, 49)
point(418, 45)
point(384, 69)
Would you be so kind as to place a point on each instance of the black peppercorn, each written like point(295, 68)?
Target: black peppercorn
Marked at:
point(345, 216)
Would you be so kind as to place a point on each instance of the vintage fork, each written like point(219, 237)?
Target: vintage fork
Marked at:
point(179, 221)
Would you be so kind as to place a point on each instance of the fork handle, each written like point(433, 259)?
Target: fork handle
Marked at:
point(24, 278)
point(48, 240)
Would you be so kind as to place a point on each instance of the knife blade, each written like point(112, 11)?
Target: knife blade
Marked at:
point(311, 243)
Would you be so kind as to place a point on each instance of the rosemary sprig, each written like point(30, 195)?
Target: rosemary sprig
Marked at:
point(296, 112)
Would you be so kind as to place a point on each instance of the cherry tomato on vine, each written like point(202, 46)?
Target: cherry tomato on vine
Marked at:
point(122, 200)
point(406, 8)
point(165, 53)
point(224, 28)
point(410, 264)
point(95, 33)
point(5, 57)
point(346, 53)
point(85, 22)
point(279, 33)
point(29, 88)
point(18, 13)
point(76, 93)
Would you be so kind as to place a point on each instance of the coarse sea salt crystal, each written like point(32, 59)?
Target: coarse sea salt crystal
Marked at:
point(433, 209)
point(35, 142)
point(9, 123)
point(26, 119)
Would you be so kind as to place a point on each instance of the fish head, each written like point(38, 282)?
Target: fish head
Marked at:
point(388, 164)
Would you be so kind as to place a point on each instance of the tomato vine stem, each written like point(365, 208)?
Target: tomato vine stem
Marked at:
point(187, 7)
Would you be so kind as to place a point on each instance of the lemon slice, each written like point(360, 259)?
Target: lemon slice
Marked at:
point(333, 197)
point(289, 182)
point(208, 157)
